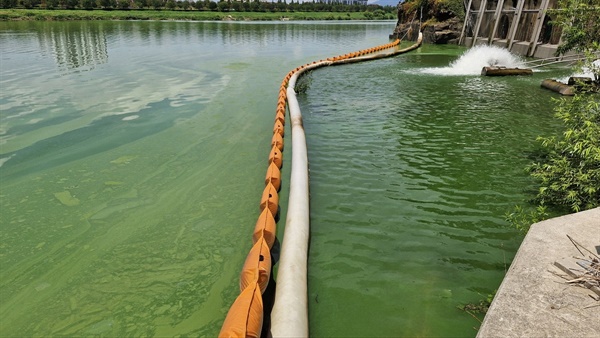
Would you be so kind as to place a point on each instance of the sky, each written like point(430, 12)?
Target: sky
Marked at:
point(384, 2)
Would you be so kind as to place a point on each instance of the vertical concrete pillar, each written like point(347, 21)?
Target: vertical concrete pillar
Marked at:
point(496, 19)
point(538, 27)
point(515, 23)
point(479, 19)
point(467, 19)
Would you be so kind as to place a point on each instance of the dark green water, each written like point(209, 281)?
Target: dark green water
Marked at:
point(133, 155)
point(411, 175)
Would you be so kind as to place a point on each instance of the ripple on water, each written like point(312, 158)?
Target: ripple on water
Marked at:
point(410, 178)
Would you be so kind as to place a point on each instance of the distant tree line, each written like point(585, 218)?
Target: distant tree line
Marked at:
point(199, 5)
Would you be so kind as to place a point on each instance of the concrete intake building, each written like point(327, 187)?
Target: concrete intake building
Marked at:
point(521, 26)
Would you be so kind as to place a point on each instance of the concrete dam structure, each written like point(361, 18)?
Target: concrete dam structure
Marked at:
point(521, 26)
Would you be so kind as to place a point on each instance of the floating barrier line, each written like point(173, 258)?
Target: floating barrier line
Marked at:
point(289, 317)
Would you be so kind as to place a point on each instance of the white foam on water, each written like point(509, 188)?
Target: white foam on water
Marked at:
point(5, 159)
point(586, 72)
point(473, 60)
point(130, 117)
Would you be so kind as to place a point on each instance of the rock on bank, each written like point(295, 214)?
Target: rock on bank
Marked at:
point(440, 20)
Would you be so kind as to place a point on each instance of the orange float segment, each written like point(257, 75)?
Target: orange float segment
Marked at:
point(281, 101)
point(279, 116)
point(278, 128)
point(277, 141)
point(276, 157)
point(273, 176)
point(270, 199)
point(257, 268)
point(245, 316)
point(265, 228)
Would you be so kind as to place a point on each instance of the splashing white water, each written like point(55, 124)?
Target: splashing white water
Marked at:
point(473, 60)
point(586, 72)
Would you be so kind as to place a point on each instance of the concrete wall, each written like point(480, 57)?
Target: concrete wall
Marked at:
point(522, 26)
point(533, 300)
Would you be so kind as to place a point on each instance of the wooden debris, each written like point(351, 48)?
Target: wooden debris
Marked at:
point(558, 87)
point(582, 271)
point(503, 71)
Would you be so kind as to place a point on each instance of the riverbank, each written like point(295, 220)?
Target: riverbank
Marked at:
point(534, 300)
point(67, 15)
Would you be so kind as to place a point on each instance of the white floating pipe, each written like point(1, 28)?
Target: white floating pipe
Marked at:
point(289, 317)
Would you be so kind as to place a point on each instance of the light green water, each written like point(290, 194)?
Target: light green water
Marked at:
point(134, 155)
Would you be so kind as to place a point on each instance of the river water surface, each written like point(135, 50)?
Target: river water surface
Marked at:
point(133, 157)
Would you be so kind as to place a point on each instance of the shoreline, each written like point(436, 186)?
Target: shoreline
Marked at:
point(190, 15)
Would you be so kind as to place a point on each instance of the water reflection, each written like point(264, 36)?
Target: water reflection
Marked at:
point(78, 47)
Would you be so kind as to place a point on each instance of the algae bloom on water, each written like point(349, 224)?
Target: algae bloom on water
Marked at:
point(66, 198)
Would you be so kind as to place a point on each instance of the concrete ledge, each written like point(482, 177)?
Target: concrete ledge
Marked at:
point(534, 302)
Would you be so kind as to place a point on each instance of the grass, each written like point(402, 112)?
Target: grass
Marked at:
point(65, 15)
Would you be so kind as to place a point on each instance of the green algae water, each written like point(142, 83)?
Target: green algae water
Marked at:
point(133, 156)
point(411, 175)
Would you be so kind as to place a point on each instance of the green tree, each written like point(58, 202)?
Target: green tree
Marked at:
point(8, 3)
point(88, 4)
point(108, 3)
point(580, 23)
point(157, 4)
point(212, 6)
point(292, 6)
point(568, 170)
point(569, 173)
point(255, 6)
point(71, 4)
point(199, 5)
point(52, 4)
point(29, 3)
point(223, 6)
point(236, 6)
point(281, 6)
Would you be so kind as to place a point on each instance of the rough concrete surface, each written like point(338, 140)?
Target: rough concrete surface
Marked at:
point(533, 301)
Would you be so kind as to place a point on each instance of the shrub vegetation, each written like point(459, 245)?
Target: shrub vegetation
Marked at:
point(568, 169)
point(191, 10)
